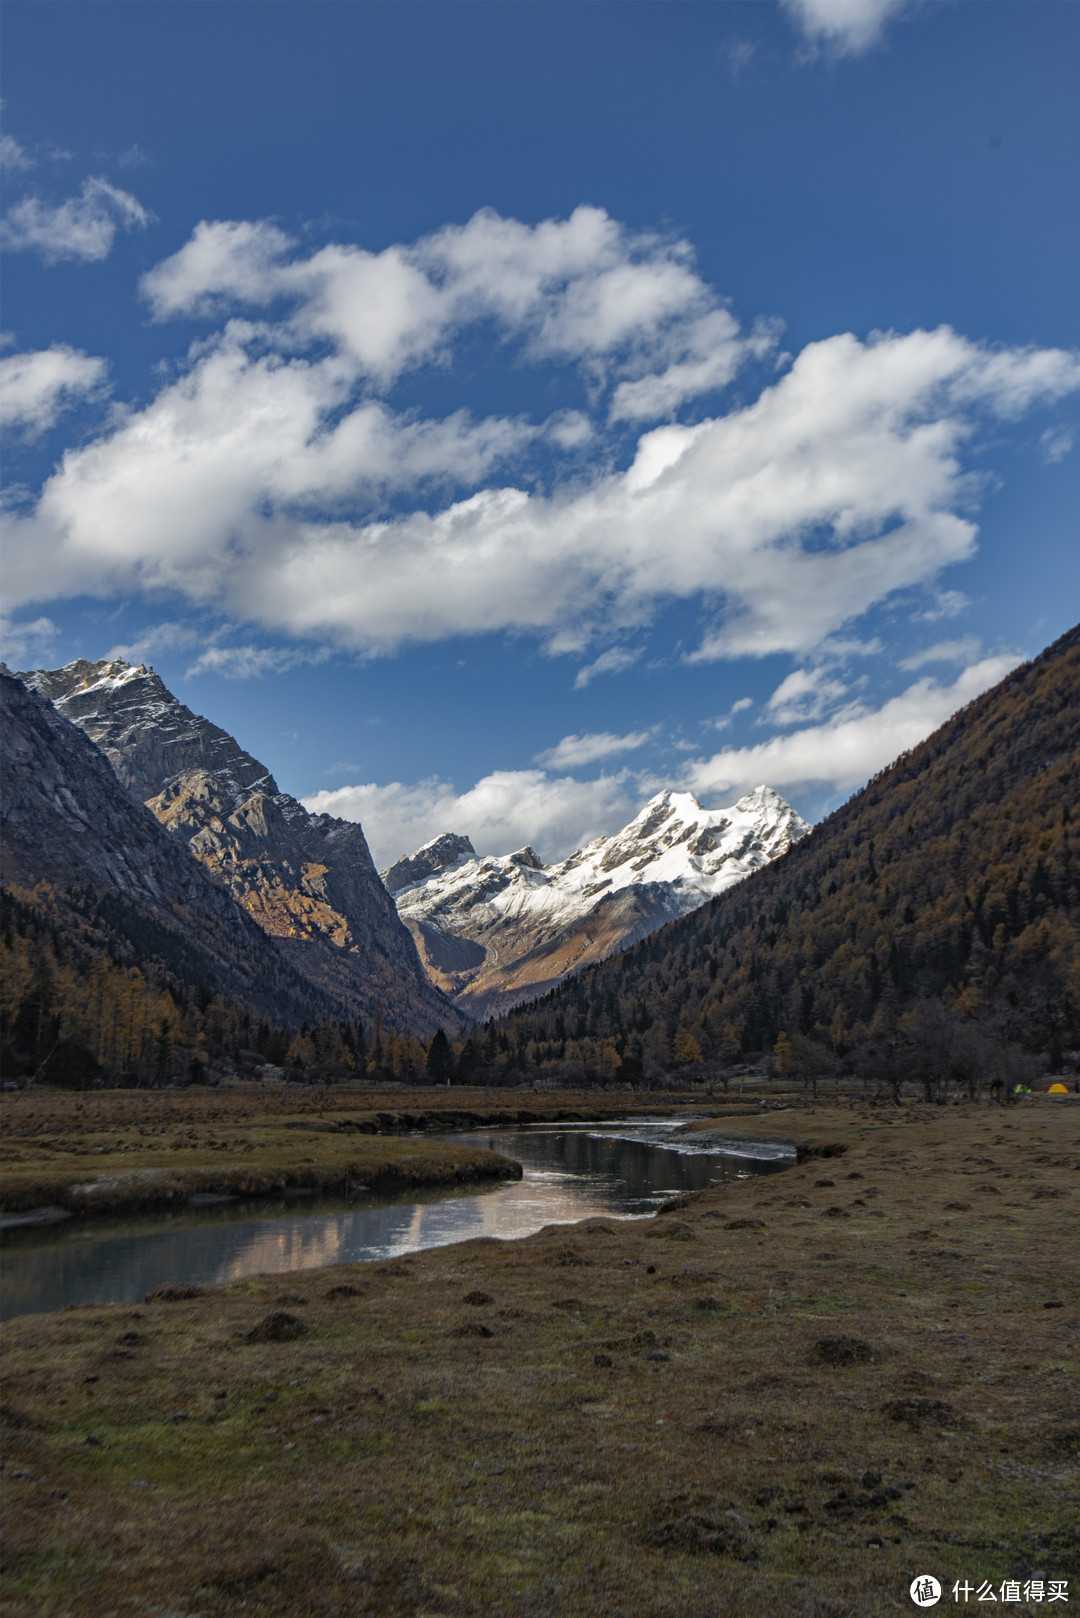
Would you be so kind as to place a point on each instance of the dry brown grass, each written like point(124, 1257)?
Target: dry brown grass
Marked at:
point(781, 1398)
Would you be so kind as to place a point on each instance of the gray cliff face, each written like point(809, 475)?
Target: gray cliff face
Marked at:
point(430, 860)
point(307, 880)
point(66, 821)
point(147, 735)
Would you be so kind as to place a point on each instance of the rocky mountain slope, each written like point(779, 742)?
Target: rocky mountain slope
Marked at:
point(306, 880)
point(66, 822)
point(497, 930)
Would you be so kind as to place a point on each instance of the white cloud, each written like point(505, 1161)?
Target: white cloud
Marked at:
point(843, 27)
point(1057, 443)
point(947, 604)
point(502, 812)
point(581, 290)
point(609, 662)
point(725, 720)
point(83, 227)
point(573, 751)
point(837, 487)
point(216, 655)
point(23, 645)
point(847, 749)
point(35, 388)
point(738, 53)
point(944, 651)
point(250, 662)
point(805, 694)
point(157, 638)
point(13, 157)
point(258, 482)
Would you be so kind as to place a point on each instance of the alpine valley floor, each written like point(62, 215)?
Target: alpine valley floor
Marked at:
point(782, 1398)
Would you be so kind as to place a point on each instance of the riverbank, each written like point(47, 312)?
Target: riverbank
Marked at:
point(781, 1398)
point(124, 1172)
point(124, 1150)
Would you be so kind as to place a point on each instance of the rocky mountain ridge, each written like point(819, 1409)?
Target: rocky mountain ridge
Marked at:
point(306, 880)
point(66, 822)
point(498, 929)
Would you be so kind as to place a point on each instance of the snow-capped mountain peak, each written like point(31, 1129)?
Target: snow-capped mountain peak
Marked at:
point(476, 917)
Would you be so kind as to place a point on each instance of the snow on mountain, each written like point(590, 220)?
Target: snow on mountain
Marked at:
point(498, 929)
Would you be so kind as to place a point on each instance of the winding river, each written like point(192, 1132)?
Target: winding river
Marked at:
point(571, 1172)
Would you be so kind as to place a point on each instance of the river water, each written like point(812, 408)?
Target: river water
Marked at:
point(571, 1172)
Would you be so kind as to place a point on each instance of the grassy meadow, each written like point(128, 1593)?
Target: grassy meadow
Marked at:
point(781, 1397)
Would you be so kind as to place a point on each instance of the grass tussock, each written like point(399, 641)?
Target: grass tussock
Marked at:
point(788, 1415)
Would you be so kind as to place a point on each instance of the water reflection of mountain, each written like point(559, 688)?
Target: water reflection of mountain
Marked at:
point(569, 1175)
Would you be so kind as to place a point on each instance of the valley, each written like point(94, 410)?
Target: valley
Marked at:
point(780, 1396)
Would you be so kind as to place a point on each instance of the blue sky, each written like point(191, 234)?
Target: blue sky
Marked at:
point(494, 413)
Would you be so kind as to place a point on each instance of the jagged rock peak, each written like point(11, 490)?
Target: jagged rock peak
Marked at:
point(82, 675)
point(439, 855)
point(498, 928)
point(149, 736)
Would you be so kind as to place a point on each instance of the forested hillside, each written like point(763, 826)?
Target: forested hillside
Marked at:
point(928, 926)
point(93, 992)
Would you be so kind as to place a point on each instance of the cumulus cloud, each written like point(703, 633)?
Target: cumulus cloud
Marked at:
point(35, 388)
point(843, 27)
point(846, 750)
point(270, 481)
point(837, 487)
point(83, 227)
point(585, 290)
point(573, 751)
point(502, 812)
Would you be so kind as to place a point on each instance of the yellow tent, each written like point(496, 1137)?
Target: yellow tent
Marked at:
point(1057, 1090)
